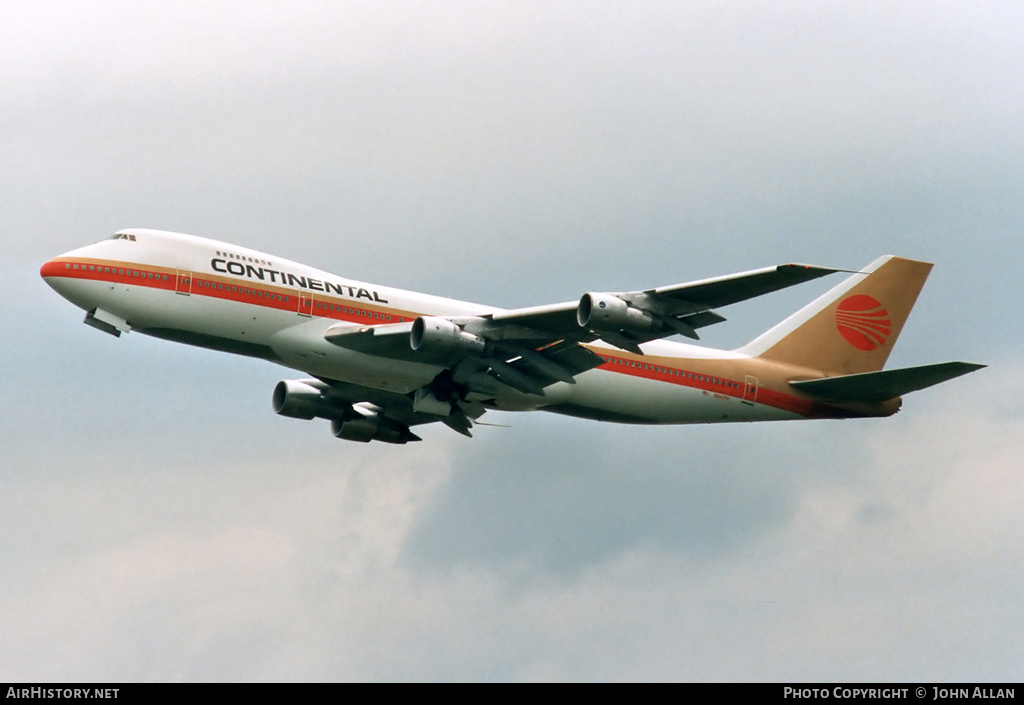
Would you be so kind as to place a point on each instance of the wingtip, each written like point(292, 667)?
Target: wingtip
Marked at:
point(809, 270)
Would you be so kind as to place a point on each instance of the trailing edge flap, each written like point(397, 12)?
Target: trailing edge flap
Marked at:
point(574, 358)
point(887, 384)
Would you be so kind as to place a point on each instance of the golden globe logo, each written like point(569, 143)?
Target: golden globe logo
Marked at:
point(863, 322)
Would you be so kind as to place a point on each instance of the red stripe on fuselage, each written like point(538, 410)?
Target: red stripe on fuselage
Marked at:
point(224, 288)
point(712, 384)
point(106, 271)
point(287, 300)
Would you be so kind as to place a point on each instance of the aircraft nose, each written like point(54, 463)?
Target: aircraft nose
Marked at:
point(64, 264)
point(59, 271)
point(52, 273)
point(51, 269)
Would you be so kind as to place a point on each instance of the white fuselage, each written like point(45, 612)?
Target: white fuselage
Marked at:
point(230, 298)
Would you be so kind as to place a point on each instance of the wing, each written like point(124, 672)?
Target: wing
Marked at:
point(664, 311)
point(529, 349)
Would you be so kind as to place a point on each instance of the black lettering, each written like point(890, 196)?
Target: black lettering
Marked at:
point(377, 298)
point(338, 288)
point(273, 275)
point(251, 271)
point(295, 281)
point(315, 284)
point(213, 263)
point(364, 293)
point(351, 290)
point(236, 268)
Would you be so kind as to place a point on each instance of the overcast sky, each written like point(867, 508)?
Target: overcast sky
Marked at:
point(159, 522)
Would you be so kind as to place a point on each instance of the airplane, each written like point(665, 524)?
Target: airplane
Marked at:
point(380, 361)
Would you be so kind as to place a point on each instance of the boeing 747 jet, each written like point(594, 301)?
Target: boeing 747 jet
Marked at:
point(380, 361)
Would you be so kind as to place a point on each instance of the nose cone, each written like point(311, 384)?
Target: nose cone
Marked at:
point(65, 274)
point(53, 273)
point(52, 270)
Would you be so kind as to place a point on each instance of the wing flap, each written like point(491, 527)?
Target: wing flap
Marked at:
point(572, 357)
point(887, 384)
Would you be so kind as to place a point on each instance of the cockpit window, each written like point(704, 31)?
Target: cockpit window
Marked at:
point(122, 236)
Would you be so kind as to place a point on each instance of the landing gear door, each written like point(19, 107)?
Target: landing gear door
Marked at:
point(183, 282)
point(750, 389)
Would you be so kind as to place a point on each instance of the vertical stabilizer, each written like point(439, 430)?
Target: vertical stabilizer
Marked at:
point(851, 328)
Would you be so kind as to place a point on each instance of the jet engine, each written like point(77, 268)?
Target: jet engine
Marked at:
point(440, 336)
point(609, 313)
point(372, 427)
point(301, 400)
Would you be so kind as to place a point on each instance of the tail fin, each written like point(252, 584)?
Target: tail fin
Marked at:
point(853, 327)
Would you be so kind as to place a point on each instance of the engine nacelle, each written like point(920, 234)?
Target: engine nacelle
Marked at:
point(361, 430)
point(610, 313)
point(302, 401)
point(440, 336)
point(371, 427)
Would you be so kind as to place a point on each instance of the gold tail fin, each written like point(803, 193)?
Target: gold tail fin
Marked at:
point(853, 327)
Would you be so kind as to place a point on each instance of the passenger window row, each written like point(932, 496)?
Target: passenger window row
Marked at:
point(258, 293)
point(673, 372)
point(241, 258)
point(207, 284)
point(355, 311)
point(115, 270)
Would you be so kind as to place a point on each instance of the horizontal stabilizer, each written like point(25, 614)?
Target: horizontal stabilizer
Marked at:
point(888, 384)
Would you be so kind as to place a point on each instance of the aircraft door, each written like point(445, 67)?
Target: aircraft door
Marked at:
point(183, 282)
point(305, 299)
point(750, 389)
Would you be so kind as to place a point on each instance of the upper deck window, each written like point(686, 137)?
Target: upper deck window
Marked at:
point(244, 258)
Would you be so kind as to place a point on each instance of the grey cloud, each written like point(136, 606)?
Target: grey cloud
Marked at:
point(562, 495)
